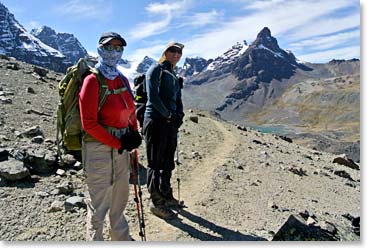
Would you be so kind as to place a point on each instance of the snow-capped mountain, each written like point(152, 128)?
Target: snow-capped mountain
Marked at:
point(66, 43)
point(193, 66)
point(145, 64)
point(244, 78)
point(16, 42)
point(132, 69)
point(228, 57)
point(265, 60)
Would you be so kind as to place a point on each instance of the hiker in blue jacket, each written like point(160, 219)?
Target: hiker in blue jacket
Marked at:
point(162, 119)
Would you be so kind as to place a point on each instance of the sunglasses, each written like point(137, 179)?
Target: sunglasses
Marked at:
point(174, 50)
point(112, 47)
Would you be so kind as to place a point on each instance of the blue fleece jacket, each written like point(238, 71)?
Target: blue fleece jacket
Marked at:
point(164, 92)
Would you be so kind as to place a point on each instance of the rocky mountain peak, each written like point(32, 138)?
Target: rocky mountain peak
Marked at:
point(228, 57)
point(145, 64)
point(264, 39)
point(16, 42)
point(193, 66)
point(66, 43)
point(265, 60)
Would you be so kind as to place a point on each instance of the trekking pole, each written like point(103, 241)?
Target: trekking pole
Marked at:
point(178, 171)
point(140, 194)
point(136, 199)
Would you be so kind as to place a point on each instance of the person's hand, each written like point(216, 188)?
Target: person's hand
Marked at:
point(176, 120)
point(130, 141)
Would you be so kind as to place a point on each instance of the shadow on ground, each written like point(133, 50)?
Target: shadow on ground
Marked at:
point(224, 234)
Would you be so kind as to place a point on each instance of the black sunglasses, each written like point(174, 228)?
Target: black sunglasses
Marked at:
point(174, 50)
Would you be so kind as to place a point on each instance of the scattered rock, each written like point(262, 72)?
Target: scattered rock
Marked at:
point(311, 221)
point(344, 160)
point(40, 71)
point(39, 161)
point(228, 177)
point(4, 154)
point(37, 140)
point(31, 90)
point(13, 170)
point(60, 172)
point(300, 172)
point(329, 227)
point(12, 66)
point(343, 174)
point(356, 225)
point(196, 155)
point(56, 206)
point(242, 128)
point(295, 229)
point(286, 139)
point(65, 188)
point(5, 100)
point(32, 132)
point(194, 119)
point(68, 159)
point(74, 202)
point(258, 142)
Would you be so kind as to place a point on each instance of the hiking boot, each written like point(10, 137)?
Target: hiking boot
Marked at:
point(173, 203)
point(162, 212)
point(170, 201)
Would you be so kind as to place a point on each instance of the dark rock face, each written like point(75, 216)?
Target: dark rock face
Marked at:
point(145, 64)
point(193, 66)
point(17, 42)
point(265, 60)
point(66, 43)
point(295, 229)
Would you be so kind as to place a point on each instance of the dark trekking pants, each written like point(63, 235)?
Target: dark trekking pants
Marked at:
point(161, 142)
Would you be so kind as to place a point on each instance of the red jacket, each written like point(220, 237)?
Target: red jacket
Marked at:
point(118, 111)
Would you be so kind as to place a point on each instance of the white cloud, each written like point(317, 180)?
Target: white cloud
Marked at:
point(153, 51)
point(326, 42)
point(326, 26)
point(201, 19)
point(259, 5)
point(79, 9)
point(167, 11)
point(325, 56)
point(280, 18)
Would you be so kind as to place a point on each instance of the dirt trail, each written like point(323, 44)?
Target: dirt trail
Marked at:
point(196, 185)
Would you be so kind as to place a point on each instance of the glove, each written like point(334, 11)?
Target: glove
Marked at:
point(176, 120)
point(180, 82)
point(130, 141)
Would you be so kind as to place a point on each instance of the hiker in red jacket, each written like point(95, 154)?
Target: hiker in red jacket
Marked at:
point(111, 132)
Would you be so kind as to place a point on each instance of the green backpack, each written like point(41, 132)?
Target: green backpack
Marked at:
point(69, 128)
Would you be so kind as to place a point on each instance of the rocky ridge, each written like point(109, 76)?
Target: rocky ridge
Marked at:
point(17, 42)
point(237, 183)
point(66, 43)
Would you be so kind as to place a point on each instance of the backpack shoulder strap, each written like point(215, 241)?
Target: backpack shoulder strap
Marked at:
point(103, 88)
point(126, 83)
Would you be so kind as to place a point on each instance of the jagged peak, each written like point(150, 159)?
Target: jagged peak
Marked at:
point(265, 32)
point(265, 39)
point(43, 29)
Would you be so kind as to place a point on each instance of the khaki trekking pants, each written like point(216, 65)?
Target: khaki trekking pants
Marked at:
point(108, 187)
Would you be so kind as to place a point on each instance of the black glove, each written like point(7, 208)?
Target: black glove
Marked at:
point(180, 82)
point(130, 141)
point(176, 120)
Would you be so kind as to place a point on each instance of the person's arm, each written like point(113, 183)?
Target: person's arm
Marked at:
point(133, 121)
point(179, 105)
point(152, 82)
point(88, 106)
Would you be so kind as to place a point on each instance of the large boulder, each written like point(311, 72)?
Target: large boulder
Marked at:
point(13, 170)
point(296, 229)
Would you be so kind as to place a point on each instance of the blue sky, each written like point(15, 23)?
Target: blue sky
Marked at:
point(315, 31)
